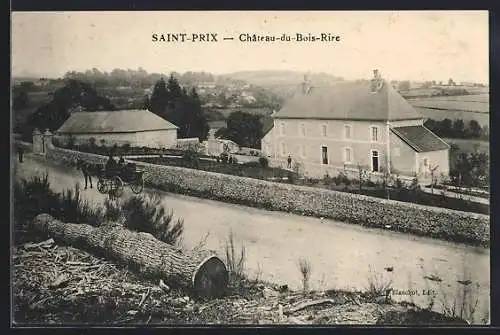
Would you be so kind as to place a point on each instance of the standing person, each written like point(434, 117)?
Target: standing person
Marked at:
point(20, 152)
point(85, 168)
point(289, 161)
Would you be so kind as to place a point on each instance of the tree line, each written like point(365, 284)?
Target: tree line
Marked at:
point(458, 129)
point(169, 101)
point(140, 78)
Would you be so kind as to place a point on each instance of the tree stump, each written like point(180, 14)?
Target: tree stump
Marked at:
point(202, 273)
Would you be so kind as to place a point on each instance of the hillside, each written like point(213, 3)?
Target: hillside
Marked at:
point(282, 82)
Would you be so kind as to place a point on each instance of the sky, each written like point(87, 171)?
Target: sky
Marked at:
point(403, 45)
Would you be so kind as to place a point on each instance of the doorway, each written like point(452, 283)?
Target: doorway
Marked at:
point(324, 154)
point(375, 165)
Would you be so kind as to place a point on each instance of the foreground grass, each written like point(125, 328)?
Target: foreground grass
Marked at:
point(55, 284)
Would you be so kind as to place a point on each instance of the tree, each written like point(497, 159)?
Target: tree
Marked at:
point(146, 103)
point(474, 129)
point(173, 103)
point(54, 113)
point(21, 100)
point(451, 82)
point(458, 128)
point(404, 85)
point(445, 127)
point(160, 98)
point(244, 128)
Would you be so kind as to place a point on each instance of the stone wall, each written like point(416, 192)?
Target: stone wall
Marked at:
point(436, 222)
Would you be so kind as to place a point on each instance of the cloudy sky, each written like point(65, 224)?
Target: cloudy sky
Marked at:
point(416, 45)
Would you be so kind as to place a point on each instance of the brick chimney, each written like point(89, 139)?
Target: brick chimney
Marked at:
point(376, 82)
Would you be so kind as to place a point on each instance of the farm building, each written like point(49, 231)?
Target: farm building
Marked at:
point(351, 125)
point(139, 128)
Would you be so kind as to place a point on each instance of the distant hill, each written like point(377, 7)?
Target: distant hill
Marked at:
point(282, 82)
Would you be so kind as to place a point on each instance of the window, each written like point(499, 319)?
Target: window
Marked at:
point(426, 162)
point(283, 149)
point(323, 130)
point(282, 128)
point(374, 134)
point(302, 150)
point(347, 155)
point(347, 131)
point(324, 154)
point(397, 152)
point(302, 130)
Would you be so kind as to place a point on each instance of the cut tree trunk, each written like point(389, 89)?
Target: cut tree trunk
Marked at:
point(202, 273)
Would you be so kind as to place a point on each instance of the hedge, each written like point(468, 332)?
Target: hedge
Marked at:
point(442, 223)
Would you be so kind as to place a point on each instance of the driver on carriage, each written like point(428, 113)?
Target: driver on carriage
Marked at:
point(111, 165)
point(121, 162)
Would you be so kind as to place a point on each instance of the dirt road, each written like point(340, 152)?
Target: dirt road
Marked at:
point(342, 256)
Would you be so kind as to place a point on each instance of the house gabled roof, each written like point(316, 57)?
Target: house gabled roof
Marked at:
point(420, 139)
point(124, 121)
point(267, 125)
point(349, 101)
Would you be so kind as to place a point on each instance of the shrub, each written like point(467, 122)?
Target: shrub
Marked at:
point(378, 286)
point(112, 210)
point(31, 197)
point(126, 147)
point(235, 261)
point(191, 158)
point(74, 209)
point(305, 269)
point(146, 214)
point(264, 162)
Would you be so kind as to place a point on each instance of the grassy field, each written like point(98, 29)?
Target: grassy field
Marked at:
point(467, 98)
point(440, 114)
point(465, 107)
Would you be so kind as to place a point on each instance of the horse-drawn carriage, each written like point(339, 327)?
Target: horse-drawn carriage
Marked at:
point(112, 180)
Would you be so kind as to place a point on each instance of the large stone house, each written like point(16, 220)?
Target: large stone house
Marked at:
point(351, 125)
point(139, 128)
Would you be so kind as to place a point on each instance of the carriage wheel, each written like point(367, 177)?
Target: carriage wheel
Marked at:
point(117, 188)
point(137, 185)
point(101, 186)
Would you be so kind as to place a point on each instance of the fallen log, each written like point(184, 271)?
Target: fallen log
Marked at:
point(202, 273)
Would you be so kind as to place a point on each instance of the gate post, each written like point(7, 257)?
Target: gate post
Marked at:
point(37, 142)
point(47, 140)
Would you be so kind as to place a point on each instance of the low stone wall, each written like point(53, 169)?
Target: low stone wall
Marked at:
point(470, 228)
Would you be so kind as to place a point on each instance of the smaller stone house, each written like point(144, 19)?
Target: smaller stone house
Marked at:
point(138, 128)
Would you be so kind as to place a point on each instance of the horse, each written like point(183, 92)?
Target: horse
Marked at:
point(86, 168)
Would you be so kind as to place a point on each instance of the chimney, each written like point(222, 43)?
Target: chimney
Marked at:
point(376, 82)
point(306, 85)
